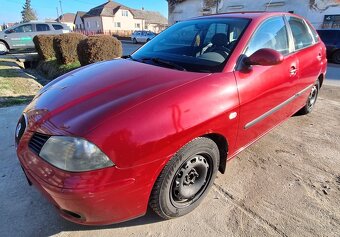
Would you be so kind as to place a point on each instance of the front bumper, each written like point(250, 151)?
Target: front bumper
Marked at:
point(99, 197)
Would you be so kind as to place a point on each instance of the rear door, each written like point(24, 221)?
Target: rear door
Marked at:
point(265, 92)
point(42, 29)
point(309, 52)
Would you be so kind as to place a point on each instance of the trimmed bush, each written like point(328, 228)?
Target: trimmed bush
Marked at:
point(99, 48)
point(44, 46)
point(65, 47)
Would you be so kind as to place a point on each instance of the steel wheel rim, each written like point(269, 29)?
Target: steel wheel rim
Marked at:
point(191, 180)
point(312, 97)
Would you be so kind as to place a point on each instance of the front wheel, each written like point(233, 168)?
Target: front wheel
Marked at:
point(186, 179)
point(313, 95)
point(134, 40)
point(3, 48)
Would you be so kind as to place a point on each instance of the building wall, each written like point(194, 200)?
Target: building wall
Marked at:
point(79, 23)
point(313, 10)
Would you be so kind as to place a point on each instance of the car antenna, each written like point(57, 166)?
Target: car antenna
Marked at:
point(267, 5)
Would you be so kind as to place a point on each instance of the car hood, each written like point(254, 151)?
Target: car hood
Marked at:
point(81, 100)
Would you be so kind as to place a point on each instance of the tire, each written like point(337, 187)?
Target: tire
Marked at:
point(147, 40)
point(3, 48)
point(186, 179)
point(312, 97)
point(336, 57)
point(134, 41)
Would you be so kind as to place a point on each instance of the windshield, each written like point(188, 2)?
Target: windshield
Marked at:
point(202, 45)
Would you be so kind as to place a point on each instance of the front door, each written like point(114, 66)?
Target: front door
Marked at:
point(21, 37)
point(266, 92)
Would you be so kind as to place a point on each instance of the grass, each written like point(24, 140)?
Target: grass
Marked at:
point(16, 87)
point(51, 69)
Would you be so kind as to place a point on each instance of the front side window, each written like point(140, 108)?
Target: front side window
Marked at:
point(301, 33)
point(23, 28)
point(201, 45)
point(271, 34)
point(42, 27)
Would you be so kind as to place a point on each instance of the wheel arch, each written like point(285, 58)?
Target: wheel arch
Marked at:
point(321, 79)
point(7, 45)
point(222, 145)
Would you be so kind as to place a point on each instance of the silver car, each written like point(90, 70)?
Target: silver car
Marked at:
point(21, 36)
point(140, 36)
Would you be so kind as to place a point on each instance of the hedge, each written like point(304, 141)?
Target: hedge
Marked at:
point(44, 46)
point(65, 47)
point(98, 48)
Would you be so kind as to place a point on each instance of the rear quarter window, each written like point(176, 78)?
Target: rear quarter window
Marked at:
point(58, 27)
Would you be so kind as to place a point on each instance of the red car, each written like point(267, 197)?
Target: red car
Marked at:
point(104, 141)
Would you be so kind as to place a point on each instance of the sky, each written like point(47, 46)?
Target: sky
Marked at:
point(10, 9)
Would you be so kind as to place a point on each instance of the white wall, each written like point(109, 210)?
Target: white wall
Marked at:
point(313, 12)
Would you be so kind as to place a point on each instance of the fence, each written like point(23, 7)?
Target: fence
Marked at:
point(119, 33)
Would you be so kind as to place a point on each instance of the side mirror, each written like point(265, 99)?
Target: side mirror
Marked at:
point(264, 57)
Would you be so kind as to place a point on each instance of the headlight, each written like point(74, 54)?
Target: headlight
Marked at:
point(74, 154)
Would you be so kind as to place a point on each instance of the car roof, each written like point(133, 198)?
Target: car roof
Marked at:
point(329, 29)
point(248, 14)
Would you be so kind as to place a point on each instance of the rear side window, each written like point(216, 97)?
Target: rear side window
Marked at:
point(301, 33)
point(42, 27)
point(271, 34)
point(57, 27)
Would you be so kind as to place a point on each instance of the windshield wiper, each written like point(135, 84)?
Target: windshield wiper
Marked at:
point(130, 57)
point(164, 62)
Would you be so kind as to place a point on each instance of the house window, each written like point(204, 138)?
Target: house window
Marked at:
point(137, 25)
point(117, 24)
point(97, 24)
point(146, 27)
point(125, 13)
point(88, 24)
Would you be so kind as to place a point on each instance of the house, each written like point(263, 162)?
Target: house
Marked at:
point(79, 21)
point(115, 18)
point(67, 19)
point(321, 13)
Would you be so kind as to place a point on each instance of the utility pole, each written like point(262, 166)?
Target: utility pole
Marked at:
point(57, 13)
point(217, 6)
point(61, 10)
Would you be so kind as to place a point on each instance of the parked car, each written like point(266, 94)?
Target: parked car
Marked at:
point(104, 141)
point(21, 36)
point(140, 36)
point(331, 38)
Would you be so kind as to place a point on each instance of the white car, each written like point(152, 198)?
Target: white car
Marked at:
point(142, 36)
point(21, 35)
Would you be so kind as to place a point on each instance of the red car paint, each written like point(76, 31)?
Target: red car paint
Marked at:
point(139, 115)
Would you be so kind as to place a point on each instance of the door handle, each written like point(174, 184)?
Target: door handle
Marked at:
point(293, 71)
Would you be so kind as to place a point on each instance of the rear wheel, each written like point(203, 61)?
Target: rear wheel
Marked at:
point(3, 48)
point(186, 179)
point(313, 95)
point(336, 57)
